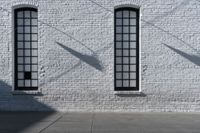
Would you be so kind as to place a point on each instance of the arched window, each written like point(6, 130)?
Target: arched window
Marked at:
point(126, 49)
point(26, 48)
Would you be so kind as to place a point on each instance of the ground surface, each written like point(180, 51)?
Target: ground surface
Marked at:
point(51, 122)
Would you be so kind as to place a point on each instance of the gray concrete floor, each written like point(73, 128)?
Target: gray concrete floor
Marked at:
point(52, 122)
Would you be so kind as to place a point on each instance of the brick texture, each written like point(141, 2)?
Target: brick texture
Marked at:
point(170, 56)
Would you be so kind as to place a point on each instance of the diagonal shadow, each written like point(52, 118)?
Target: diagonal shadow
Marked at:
point(172, 35)
point(184, 2)
point(100, 6)
point(68, 35)
point(89, 59)
point(193, 58)
point(20, 119)
point(60, 75)
point(157, 18)
point(55, 28)
point(76, 65)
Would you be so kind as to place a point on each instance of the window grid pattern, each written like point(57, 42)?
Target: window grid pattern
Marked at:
point(126, 49)
point(26, 49)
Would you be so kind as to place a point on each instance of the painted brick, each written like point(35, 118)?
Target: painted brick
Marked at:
point(170, 38)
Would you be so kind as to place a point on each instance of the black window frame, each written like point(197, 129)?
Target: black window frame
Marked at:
point(137, 11)
point(16, 48)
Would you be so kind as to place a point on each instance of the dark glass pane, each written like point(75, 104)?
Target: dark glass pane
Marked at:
point(27, 22)
point(20, 29)
point(126, 29)
point(27, 45)
point(125, 68)
point(118, 75)
point(118, 52)
point(132, 21)
point(27, 29)
point(132, 14)
point(34, 14)
point(118, 67)
point(20, 67)
point(20, 14)
point(125, 52)
point(132, 83)
point(118, 83)
point(20, 37)
point(34, 83)
point(132, 75)
point(118, 29)
point(34, 45)
point(20, 21)
point(34, 68)
point(27, 68)
point(125, 83)
point(126, 14)
point(27, 75)
point(125, 21)
point(119, 14)
point(125, 60)
point(34, 75)
point(125, 44)
point(34, 22)
point(125, 75)
point(27, 14)
point(118, 21)
point(34, 29)
point(118, 60)
point(27, 83)
point(34, 37)
point(20, 83)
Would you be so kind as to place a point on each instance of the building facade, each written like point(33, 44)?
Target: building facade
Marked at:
point(92, 55)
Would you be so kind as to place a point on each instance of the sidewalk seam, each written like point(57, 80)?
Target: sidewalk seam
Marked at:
point(50, 124)
point(92, 122)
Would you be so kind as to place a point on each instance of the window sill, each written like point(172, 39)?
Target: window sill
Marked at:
point(129, 94)
point(17, 92)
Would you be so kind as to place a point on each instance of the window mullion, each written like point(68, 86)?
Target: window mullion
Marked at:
point(31, 47)
point(24, 47)
point(129, 51)
point(122, 48)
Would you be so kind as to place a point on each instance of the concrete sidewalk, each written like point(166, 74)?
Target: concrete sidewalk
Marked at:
point(51, 122)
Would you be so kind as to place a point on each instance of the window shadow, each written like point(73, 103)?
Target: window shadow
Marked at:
point(192, 58)
point(89, 59)
point(20, 120)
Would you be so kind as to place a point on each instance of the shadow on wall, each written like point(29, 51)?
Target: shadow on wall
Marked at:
point(15, 122)
point(193, 58)
point(169, 13)
point(89, 59)
point(61, 74)
point(92, 60)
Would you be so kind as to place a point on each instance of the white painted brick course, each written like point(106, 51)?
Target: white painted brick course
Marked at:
point(170, 76)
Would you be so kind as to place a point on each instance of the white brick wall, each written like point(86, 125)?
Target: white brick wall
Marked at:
point(170, 56)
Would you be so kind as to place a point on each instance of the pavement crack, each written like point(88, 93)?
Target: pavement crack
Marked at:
point(91, 129)
point(50, 124)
